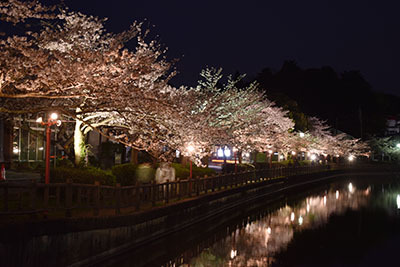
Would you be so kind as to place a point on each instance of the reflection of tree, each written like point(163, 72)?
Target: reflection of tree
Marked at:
point(256, 243)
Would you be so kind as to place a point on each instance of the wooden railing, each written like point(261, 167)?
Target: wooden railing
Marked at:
point(68, 199)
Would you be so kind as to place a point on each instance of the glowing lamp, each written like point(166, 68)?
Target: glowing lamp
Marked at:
point(227, 152)
point(54, 116)
point(190, 148)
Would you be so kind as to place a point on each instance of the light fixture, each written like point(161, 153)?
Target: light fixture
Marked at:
point(190, 148)
point(351, 189)
point(227, 152)
point(220, 153)
point(39, 120)
point(54, 116)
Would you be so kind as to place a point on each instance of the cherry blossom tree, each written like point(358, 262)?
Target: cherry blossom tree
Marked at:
point(74, 66)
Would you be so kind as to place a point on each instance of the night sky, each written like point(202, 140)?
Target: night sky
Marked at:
point(247, 36)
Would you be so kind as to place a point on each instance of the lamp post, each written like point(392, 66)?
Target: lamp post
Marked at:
point(51, 121)
point(270, 158)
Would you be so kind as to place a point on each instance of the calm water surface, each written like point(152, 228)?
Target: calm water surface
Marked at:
point(353, 222)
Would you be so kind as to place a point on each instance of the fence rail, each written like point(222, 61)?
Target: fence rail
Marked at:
point(70, 199)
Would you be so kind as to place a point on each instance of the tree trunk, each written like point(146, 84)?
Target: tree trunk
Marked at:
point(134, 156)
point(79, 143)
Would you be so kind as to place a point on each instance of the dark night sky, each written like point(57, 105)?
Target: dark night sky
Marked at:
point(247, 36)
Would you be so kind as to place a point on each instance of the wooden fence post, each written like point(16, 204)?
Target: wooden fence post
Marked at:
point(96, 198)
point(137, 196)
point(167, 192)
point(58, 195)
point(46, 196)
point(205, 184)
point(33, 197)
point(178, 188)
point(189, 187)
point(79, 195)
point(117, 199)
point(68, 198)
point(198, 186)
point(154, 190)
point(5, 190)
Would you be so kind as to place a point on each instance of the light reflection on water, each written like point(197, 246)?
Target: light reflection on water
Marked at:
point(258, 242)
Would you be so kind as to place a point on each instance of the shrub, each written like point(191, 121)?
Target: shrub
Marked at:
point(125, 173)
point(183, 172)
point(200, 172)
point(81, 175)
point(241, 167)
point(145, 173)
point(63, 162)
point(261, 157)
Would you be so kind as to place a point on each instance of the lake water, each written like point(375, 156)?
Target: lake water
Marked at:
point(351, 222)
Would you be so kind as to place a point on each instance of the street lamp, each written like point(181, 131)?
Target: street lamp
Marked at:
point(51, 121)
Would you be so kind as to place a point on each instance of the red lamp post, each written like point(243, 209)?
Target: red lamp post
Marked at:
point(51, 121)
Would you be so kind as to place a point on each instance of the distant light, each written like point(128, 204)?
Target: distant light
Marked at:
point(190, 148)
point(398, 201)
point(15, 150)
point(313, 157)
point(54, 116)
point(220, 153)
point(308, 207)
point(270, 151)
point(324, 200)
point(300, 220)
point(247, 154)
point(227, 152)
point(269, 230)
point(41, 148)
point(233, 254)
point(398, 145)
point(351, 189)
point(301, 134)
point(177, 153)
point(39, 120)
point(351, 158)
point(292, 216)
point(337, 194)
point(281, 157)
point(293, 153)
